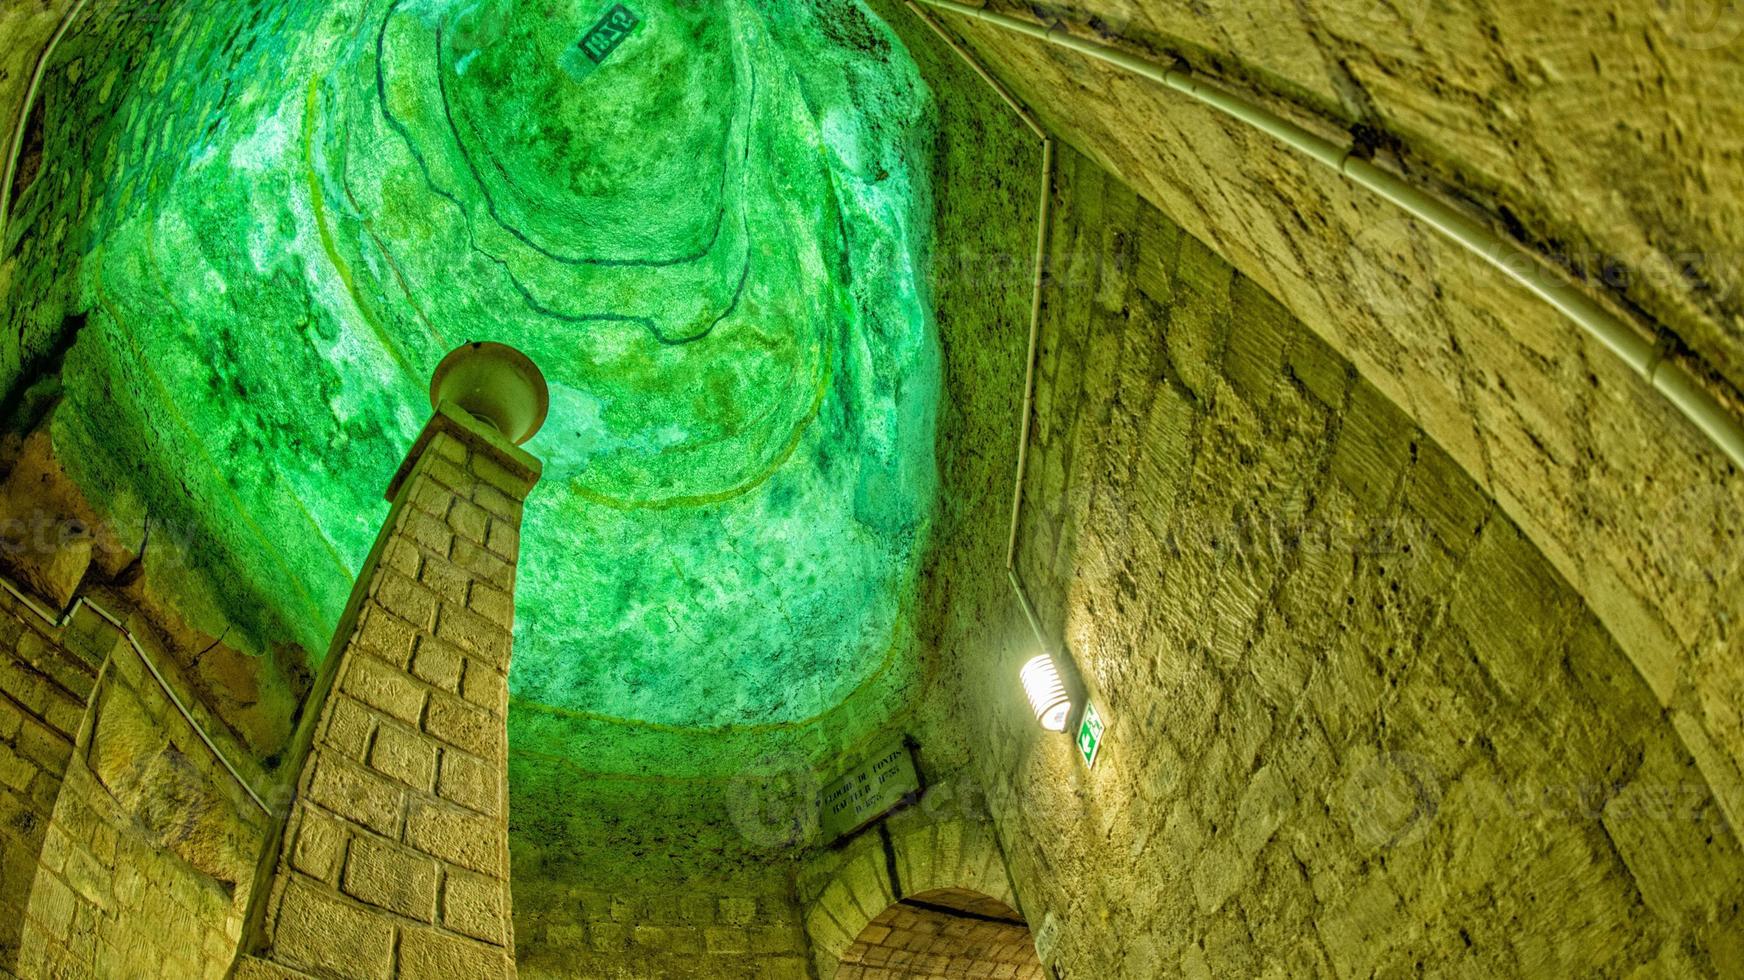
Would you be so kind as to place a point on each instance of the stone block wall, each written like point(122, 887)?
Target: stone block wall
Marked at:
point(25, 32)
point(575, 931)
point(394, 857)
point(1357, 723)
point(628, 878)
point(1544, 122)
point(149, 859)
point(44, 687)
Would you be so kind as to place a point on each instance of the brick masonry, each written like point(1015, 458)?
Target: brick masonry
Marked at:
point(846, 891)
point(394, 857)
point(703, 930)
point(150, 857)
point(947, 935)
point(44, 687)
point(1357, 722)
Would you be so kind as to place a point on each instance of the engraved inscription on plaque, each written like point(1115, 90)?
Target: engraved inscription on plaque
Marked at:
point(869, 791)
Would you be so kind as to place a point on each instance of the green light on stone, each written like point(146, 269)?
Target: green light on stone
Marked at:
point(709, 244)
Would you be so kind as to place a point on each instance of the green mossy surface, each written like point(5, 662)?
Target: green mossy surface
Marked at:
point(709, 242)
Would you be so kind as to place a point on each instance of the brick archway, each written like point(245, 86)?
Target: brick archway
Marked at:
point(902, 859)
point(946, 934)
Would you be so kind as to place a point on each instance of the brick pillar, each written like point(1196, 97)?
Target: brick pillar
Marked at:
point(393, 861)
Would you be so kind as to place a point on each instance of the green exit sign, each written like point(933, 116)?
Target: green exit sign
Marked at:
point(610, 32)
point(1090, 735)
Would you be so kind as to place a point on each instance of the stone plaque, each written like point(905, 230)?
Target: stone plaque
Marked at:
point(868, 791)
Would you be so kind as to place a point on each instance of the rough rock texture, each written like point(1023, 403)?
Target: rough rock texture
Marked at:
point(1357, 723)
point(56, 546)
point(986, 187)
point(630, 839)
point(681, 932)
point(25, 30)
point(149, 860)
point(1593, 133)
point(633, 878)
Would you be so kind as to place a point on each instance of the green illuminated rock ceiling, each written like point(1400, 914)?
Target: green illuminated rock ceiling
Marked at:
point(709, 241)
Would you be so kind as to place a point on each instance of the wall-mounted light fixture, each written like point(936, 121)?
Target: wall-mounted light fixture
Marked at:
point(1047, 693)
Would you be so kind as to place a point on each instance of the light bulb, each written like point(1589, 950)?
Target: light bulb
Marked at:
point(1047, 693)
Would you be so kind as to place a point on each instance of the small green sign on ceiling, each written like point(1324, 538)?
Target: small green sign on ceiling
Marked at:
point(1090, 735)
point(604, 38)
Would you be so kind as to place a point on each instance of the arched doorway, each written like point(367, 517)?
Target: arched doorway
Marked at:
point(948, 934)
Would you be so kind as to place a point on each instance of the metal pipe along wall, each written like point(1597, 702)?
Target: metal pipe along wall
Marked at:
point(1683, 390)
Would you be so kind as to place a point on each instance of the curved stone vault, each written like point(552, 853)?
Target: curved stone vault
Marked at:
point(707, 241)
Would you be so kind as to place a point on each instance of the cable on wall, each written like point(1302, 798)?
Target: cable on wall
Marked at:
point(61, 621)
point(16, 150)
point(1044, 222)
point(1672, 380)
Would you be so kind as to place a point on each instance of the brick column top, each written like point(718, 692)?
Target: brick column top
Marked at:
point(522, 467)
point(393, 856)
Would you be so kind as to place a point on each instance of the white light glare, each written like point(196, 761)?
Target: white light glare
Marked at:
point(1047, 694)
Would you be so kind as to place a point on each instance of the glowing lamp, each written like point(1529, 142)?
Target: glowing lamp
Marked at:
point(1047, 693)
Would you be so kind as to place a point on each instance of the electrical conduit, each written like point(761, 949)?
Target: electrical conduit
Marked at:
point(1683, 390)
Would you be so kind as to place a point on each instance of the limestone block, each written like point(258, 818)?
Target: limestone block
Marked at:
point(393, 878)
point(405, 598)
point(484, 565)
point(438, 663)
point(471, 782)
point(354, 793)
point(493, 604)
point(1508, 604)
point(320, 932)
point(1260, 329)
point(319, 845)
point(254, 968)
point(385, 636)
point(404, 557)
point(469, 521)
point(446, 579)
point(428, 533)
point(499, 504)
point(494, 474)
point(465, 725)
point(485, 686)
point(736, 911)
point(384, 688)
point(1318, 369)
point(406, 755)
point(456, 836)
point(473, 904)
point(1454, 507)
point(349, 727)
point(726, 939)
point(1373, 446)
point(477, 635)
